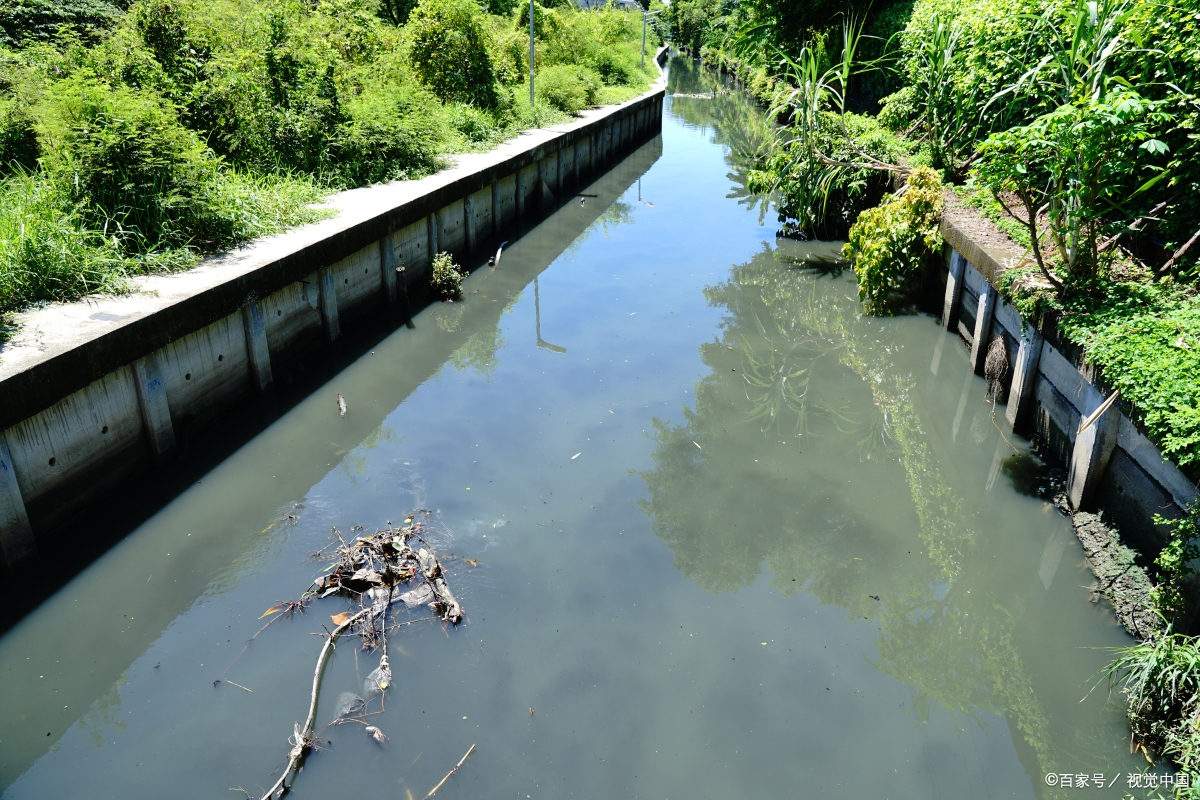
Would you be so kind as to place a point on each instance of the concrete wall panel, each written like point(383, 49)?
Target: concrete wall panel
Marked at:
point(529, 174)
point(80, 437)
point(508, 199)
point(451, 236)
point(482, 200)
point(206, 368)
point(358, 282)
point(412, 250)
point(292, 315)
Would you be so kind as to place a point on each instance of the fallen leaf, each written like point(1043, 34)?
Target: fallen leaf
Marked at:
point(342, 618)
point(272, 609)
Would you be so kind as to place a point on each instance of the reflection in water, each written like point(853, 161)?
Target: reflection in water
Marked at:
point(537, 311)
point(797, 361)
point(701, 99)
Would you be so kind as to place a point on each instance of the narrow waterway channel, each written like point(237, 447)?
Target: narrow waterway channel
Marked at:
point(726, 538)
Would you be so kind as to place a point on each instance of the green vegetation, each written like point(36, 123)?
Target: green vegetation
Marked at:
point(1071, 124)
point(890, 245)
point(1161, 678)
point(135, 139)
point(447, 277)
point(1073, 129)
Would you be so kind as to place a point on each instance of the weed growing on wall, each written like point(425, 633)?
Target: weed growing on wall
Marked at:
point(447, 277)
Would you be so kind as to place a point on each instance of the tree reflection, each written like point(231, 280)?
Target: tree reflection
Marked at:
point(800, 377)
point(702, 100)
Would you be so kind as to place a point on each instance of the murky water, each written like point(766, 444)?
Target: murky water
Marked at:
point(732, 539)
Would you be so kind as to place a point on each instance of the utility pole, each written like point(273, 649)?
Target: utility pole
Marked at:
point(531, 52)
point(645, 16)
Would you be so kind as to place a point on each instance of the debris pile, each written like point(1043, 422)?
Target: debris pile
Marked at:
point(382, 569)
point(375, 572)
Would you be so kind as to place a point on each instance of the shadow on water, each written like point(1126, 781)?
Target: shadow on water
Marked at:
point(1029, 475)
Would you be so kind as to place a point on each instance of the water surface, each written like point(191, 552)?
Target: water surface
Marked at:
point(732, 539)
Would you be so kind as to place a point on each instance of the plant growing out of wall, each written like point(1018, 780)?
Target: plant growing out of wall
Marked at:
point(1176, 561)
point(890, 243)
point(447, 277)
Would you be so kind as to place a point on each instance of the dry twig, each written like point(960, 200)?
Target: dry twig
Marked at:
point(433, 791)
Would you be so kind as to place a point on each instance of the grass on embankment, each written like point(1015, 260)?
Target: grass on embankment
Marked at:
point(135, 142)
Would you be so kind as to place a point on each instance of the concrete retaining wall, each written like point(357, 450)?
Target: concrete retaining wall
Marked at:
point(94, 391)
point(1050, 390)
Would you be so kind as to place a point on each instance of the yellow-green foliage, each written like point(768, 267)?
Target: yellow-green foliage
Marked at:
point(890, 243)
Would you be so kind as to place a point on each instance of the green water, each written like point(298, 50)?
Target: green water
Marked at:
point(732, 538)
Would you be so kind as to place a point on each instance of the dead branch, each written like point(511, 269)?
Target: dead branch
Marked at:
point(1165, 268)
point(303, 736)
point(368, 571)
point(433, 791)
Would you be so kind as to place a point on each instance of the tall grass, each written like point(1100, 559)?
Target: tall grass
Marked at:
point(49, 251)
point(1161, 678)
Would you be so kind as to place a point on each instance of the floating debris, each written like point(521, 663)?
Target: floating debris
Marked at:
point(341, 405)
point(371, 572)
point(494, 261)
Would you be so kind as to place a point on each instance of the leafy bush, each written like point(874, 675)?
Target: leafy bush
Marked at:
point(1146, 339)
point(569, 89)
point(813, 201)
point(1176, 561)
point(128, 157)
point(450, 51)
point(25, 20)
point(18, 140)
point(474, 124)
point(447, 277)
point(384, 138)
point(890, 244)
point(140, 139)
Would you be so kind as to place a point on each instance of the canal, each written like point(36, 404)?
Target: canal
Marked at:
point(716, 534)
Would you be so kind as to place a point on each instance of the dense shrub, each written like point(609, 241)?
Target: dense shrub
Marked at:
point(828, 210)
point(42, 20)
point(384, 137)
point(134, 141)
point(450, 51)
point(130, 161)
point(569, 89)
point(889, 245)
point(18, 140)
